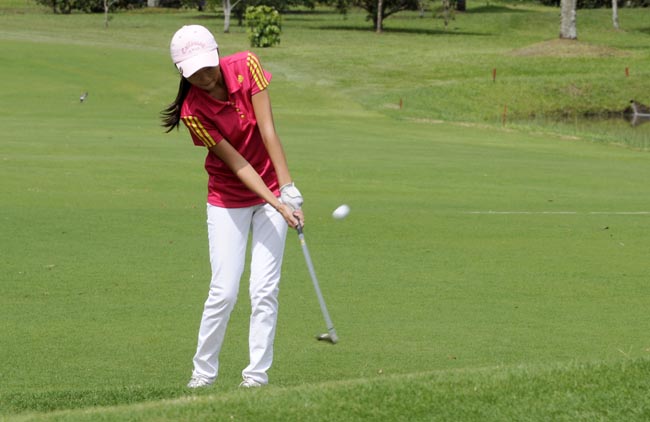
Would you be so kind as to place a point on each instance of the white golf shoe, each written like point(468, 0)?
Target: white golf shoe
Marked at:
point(198, 382)
point(249, 383)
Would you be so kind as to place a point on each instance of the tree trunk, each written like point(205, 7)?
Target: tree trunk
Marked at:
point(227, 11)
point(380, 18)
point(568, 28)
point(106, 6)
point(615, 14)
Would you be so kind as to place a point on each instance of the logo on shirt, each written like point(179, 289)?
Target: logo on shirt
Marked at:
point(240, 78)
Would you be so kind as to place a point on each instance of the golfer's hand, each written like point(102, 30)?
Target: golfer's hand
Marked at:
point(291, 216)
point(290, 195)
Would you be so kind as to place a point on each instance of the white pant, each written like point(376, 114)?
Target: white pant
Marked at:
point(228, 230)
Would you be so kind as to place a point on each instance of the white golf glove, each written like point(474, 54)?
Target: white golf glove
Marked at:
point(290, 195)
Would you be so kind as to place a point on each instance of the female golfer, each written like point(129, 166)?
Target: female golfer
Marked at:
point(226, 107)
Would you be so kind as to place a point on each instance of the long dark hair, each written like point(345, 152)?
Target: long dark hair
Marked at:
point(171, 116)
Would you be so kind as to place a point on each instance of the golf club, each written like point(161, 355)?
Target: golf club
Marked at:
point(330, 336)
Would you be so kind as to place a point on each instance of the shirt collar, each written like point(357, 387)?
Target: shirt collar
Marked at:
point(232, 79)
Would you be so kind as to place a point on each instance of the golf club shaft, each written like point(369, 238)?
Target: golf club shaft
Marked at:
point(319, 294)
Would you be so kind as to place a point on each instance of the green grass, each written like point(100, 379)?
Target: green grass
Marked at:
point(485, 272)
point(573, 392)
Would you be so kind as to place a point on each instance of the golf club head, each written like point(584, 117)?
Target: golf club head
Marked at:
point(328, 337)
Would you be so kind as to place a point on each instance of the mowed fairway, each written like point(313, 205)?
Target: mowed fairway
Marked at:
point(484, 273)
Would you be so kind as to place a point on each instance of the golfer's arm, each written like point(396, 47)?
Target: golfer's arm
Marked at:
point(264, 117)
point(244, 171)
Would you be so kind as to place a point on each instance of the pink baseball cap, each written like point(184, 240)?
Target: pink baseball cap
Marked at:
point(192, 48)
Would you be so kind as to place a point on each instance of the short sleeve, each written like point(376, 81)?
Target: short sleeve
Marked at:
point(260, 78)
point(202, 134)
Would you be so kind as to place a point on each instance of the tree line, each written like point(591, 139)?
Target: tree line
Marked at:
point(377, 10)
point(389, 6)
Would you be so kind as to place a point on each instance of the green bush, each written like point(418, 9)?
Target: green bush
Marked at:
point(263, 26)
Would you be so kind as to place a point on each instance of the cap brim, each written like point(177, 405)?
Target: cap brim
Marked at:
point(193, 64)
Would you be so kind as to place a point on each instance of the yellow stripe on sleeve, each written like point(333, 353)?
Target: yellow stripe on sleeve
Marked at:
point(194, 124)
point(257, 72)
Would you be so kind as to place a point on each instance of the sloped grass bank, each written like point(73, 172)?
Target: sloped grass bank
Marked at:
point(597, 391)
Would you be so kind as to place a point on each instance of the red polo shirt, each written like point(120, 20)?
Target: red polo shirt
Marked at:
point(210, 121)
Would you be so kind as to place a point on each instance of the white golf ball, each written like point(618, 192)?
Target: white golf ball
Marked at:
point(341, 212)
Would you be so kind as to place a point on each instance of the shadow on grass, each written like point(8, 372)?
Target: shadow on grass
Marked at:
point(422, 31)
point(310, 12)
point(208, 16)
point(496, 9)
